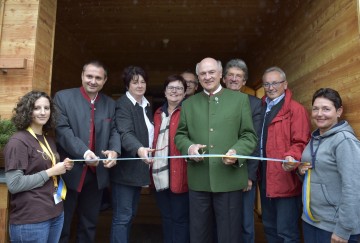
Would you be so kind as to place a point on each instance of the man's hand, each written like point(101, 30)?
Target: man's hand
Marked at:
point(144, 154)
point(227, 160)
point(249, 186)
point(91, 159)
point(289, 165)
point(111, 155)
point(194, 150)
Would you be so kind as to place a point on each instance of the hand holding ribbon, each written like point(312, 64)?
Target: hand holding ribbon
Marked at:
point(111, 155)
point(194, 150)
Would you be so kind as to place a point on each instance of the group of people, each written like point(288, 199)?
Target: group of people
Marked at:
point(201, 153)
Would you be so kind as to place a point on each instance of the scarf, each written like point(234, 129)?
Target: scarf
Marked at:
point(160, 168)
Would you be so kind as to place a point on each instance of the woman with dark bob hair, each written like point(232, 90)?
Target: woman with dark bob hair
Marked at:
point(32, 172)
point(331, 197)
point(134, 121)
point(169, 176)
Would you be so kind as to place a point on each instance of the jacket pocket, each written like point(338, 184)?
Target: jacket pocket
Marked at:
point(322, 205)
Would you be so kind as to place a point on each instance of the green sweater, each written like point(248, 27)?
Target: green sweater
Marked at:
point(221, 122)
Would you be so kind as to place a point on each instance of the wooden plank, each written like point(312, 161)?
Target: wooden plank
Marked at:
point(2, 9)
point(4, 205)
point(12, 63)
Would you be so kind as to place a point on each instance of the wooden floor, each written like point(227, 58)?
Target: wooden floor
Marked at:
point(147, 224)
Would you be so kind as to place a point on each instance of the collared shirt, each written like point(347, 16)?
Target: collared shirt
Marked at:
point(216, 91)
point(149, 125)
point(271, 103)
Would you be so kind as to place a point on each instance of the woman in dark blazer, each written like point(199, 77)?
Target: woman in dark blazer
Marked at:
point(134, 121)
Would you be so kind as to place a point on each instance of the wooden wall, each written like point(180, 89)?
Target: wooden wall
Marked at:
point(319, 48)
point(69, 58)
point(27, 29)
point(4, 207)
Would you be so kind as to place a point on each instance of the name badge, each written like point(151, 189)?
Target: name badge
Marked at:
point(57, 198)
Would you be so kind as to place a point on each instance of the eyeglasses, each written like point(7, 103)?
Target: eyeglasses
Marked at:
point(174, 88)
point(274, 84)
point(235, 76)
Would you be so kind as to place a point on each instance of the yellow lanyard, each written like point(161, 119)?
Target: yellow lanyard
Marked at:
point(47, 150)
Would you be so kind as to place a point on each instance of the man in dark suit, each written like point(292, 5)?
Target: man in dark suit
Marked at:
point(86, 130)
point(235, 77)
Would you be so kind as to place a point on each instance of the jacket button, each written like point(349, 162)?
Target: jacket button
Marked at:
point(211, 146)
point(211, 129)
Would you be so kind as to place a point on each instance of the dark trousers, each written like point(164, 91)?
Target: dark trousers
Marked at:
point(125, 200)
point(315, 235)
point(280, 217)
point(87, 206)
point(247, 216)
point(206, 207)
point(174, 208)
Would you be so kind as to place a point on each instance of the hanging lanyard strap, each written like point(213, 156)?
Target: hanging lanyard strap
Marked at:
point(307, 183)
point(306, 197)
point(47, 150)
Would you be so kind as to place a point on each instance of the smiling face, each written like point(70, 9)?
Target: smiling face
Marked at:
point(276, 86)
point(40, 114)
point(93, 79)
point(174, 92)
point(137, 87)
point(324, 114)
point(209, 74)
point(234, 78)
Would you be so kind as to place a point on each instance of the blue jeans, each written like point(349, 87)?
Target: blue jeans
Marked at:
point(247, 212)
point(315, 235)
point(174, 210)
point(125, 201)
point(280, 217)
point(47, 231)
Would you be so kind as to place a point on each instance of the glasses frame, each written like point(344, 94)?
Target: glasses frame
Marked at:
point(273, 84)
point(175, 88)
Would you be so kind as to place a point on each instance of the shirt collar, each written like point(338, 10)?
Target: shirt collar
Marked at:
point(216, 91)
point(144, 101)
point(271, 103)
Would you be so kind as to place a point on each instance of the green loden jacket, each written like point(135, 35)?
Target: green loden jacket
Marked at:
point(221, 122)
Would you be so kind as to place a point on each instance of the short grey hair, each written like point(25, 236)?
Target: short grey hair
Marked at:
point(218, 63)
point(275, 69)
point(237, 63)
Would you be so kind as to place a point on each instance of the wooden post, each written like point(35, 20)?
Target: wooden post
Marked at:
point(27, 30)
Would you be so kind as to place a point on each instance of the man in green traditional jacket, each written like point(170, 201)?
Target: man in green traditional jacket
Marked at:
point(216, 121)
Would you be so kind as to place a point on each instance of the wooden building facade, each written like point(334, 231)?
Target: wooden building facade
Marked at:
point(317, 43)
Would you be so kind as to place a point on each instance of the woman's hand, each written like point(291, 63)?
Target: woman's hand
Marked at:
point(143, 153)
point(60, 168)
point(303, 167)
point(69, 164)
point(337, 239)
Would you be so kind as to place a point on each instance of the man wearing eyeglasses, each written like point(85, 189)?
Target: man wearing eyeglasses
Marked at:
point(235, 77)
point(285, 133)
point(191, 82)
point(216, 121)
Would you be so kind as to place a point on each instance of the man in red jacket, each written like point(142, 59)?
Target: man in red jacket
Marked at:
point(285, 133)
